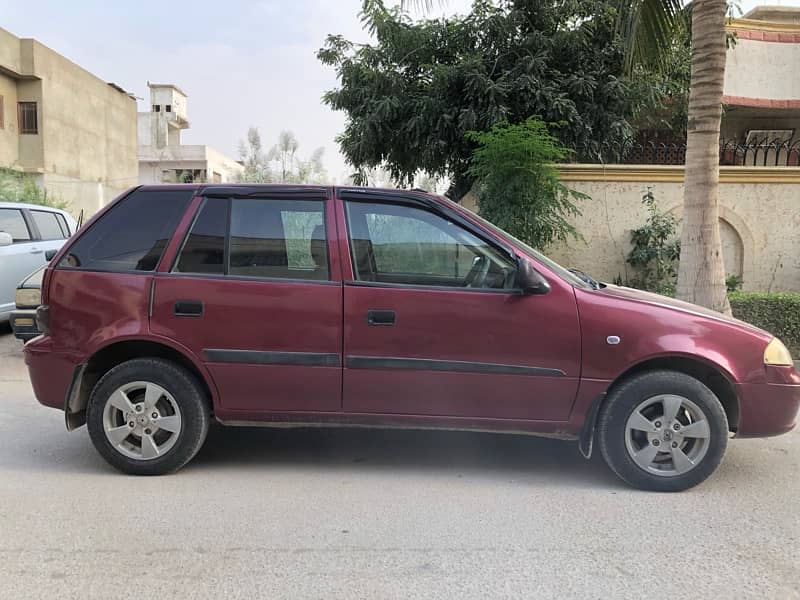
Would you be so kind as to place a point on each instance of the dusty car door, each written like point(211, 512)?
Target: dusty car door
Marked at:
point(255, 293)
point(433, 326)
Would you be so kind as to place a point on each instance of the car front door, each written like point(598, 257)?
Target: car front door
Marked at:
point(255, 293)
point(18, 260)
point(434, 327)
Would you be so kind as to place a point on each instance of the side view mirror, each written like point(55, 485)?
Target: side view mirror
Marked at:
point(49, 254)
point(5, 239)
point(528, 281)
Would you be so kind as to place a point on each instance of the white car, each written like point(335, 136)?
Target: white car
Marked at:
point(30, 235)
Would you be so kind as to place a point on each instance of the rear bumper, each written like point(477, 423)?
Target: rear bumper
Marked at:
point(51, 373)
point(767, 409)
point(23, 324)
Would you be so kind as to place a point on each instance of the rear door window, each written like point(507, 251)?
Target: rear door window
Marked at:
point(48, 225)
point(13, 223)
point(132, 236)
point(63, 223)
point(204, 249)
point(278, 238)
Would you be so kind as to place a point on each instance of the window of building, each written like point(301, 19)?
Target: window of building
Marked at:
point(47, 224)
point(168, 107)
point(132, 235)
point(278, 238)
point(405, 245)
point(28, 118)
point(204, 249)
point(216, 177)
point(13, 223)
point(156, 108)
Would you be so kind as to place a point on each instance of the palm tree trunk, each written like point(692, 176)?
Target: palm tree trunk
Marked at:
point(701, 273)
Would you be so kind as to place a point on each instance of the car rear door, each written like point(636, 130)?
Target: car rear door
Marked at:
point(433, 326)
point(52, 230)
point(255, 292)
point(21, 258)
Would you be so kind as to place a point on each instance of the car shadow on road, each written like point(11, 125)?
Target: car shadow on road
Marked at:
point(517, 457)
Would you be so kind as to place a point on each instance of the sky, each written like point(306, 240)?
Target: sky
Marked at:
point(241, 63)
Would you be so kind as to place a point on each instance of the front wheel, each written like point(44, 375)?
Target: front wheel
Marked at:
point(663, 431)
point(147, 416)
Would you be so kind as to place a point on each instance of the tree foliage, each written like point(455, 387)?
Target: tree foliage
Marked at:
point(21, 187)
point(411, 96)
point(518, 188)
point(281, 163)
point(656, 249)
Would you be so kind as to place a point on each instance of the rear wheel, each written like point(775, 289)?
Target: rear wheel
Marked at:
point(663, 431)
point(147, 416)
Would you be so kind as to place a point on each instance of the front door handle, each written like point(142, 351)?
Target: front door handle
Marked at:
point(381, 317)
point(188, 308)
point(36, 251)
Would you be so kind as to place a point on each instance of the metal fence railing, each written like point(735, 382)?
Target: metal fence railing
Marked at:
point(761, 153)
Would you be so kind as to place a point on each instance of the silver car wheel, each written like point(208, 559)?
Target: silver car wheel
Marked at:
point(667, 435)
point(141, 420)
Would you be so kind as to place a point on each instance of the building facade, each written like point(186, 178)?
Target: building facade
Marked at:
point(162, 156)
point(762, 87)
point(74, 133)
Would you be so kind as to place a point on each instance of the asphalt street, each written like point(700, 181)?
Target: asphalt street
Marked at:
point(375, 514)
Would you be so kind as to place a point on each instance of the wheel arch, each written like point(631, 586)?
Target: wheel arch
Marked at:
point(106, 357)
point(716, 378)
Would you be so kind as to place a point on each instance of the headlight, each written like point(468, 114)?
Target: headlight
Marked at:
point(777, 354)
point(28, 297)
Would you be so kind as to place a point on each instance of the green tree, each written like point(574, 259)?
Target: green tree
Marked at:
point(655, 251)
point(518, 187)
point(411, 96)
point(254, 159)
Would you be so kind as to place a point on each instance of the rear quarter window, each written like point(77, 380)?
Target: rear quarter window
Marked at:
point(131, 236)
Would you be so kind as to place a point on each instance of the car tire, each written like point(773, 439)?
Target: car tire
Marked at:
point(670, 454)
point(161, 407)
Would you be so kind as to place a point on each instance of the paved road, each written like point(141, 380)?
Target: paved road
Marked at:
point(360, 514)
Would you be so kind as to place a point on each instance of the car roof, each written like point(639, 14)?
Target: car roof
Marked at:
point(6, 204)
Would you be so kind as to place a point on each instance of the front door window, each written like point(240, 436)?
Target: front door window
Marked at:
point(405, 245)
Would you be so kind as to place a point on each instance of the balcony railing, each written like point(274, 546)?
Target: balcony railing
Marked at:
point(757, 153)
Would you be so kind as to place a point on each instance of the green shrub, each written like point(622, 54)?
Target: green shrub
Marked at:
point(778, 313)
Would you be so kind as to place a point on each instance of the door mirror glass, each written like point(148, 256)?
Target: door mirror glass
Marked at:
point(5, 239)
point(528, 280)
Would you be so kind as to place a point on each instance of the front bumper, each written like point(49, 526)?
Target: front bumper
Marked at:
point(768, 409)
point(23, 324)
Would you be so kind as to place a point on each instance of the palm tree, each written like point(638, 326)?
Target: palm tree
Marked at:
point(649, 25)
point(701, 272)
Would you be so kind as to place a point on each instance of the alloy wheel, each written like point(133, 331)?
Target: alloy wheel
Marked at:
point(667, 435)
point(141, 420)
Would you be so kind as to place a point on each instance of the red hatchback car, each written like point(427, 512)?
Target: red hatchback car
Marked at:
point(278, 305)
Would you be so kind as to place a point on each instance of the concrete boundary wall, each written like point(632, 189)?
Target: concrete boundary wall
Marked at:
point(759, 219)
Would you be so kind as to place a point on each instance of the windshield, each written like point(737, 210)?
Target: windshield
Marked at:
point(548, 262)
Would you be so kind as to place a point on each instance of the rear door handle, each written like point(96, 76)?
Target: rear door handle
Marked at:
point(381, 317)
point(188, 308)
point(36, 251)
